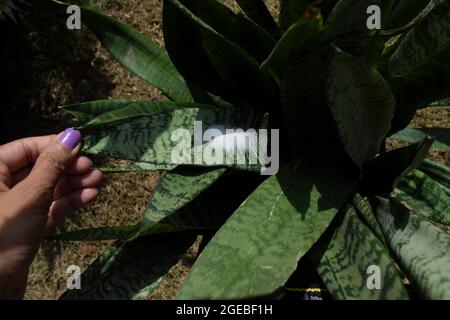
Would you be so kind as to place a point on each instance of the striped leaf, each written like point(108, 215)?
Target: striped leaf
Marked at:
point(419, 68)
point(87, 111)
point(343, 261)
point(223, 68)
point(139, 109)
point(95, 234)
point(300, 37)
point(437, 171)
point(304, 106)
point(404, 11)
point(137, 167)
point(258, 248)
point(425, 196)
point(131, 270)
point(178, 208)
point(362, 106)
point(258, 12)
point(441, 135)
point(291, 11)
point(441, 103)
point(326, 7)
point(367, 216)
point(185, 219)
point(235, 27)
point(383, 174)
point(167, 138)
point(174, 191)
point(138, 54)
point(422, 249)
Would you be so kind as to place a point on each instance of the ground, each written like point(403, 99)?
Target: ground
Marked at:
point(55, 67)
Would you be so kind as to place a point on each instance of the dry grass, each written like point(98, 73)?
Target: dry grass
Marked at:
point(87, 72)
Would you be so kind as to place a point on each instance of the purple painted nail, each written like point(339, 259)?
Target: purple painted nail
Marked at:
point(70, 138)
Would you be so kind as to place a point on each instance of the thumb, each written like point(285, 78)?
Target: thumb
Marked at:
point(50, 165)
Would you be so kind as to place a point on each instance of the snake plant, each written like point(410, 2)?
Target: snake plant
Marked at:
point(13, 9)
point(371, 221)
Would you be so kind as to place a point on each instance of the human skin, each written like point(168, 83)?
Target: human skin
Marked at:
point(42, 181)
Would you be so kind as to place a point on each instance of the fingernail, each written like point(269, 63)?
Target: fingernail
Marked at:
point(70, 138)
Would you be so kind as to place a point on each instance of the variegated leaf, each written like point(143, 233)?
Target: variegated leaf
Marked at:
point(258, 248)
point(439, 172)
point(174, 191)
point(170, 138)
point(344, 261)
point(137, 167)
point(301, 36)
point(258, 12)
point(139, 109)
point(235, 27)
point(442, 136)
point(367, 215)
point(419, 68)
point(425, 196)
point(131, 270)
point(291, 11)
point(362, 106)
point(87, 111)
point(138, 54)
point(223, 67)
point(422, 249)
point(384, 172)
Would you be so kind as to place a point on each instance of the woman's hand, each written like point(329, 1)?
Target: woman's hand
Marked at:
point(42, 181)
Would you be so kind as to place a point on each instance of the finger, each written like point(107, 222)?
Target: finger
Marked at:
point(20, 175)
point(38, 187)
point(68, 204)
point(80, 165)
point(68, 184)
point(23, 152)
point(5, 177)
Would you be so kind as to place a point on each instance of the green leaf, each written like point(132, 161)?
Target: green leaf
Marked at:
point(291, 11)
point(176, 207)
point(382, 174)
point(167, 138)
point(139, 109)
point(305, 109)
point(131, 270)
point(437, 171)
point(422, 249)
point(299, 37)
point(137, 167)
point(185, 48)
point(258, 12)
point(441, 103)
point(366, 214)
point(404, 12)
point(174, 191)
point(223, 68)
point(95, 234)
point(326, 7)
point(180, 220)
point(258, 248)
point(419, 69)
point(235, 27)
point(441, 135)
point(362, 106)
point(138, 54)
point(87, 111)
point(343, 261)
point(425, 196)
